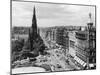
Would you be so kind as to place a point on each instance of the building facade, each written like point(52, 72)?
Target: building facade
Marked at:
point(86, 46)
point(72, 43)
point(92, 43)
point(81, 48)
point(61, 37)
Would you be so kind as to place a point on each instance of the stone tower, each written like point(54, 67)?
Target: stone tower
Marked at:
point(92, 42)
point(34, 25)
point(36, 44)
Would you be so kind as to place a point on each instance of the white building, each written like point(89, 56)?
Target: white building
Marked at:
point(72, 43)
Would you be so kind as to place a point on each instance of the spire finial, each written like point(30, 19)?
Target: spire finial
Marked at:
point(34, 8)
point(34, 14)
point(90, 17)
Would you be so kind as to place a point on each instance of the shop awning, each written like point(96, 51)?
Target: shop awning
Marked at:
point(80, 61)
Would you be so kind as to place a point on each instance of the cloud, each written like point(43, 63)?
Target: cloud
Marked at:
point(50, 14)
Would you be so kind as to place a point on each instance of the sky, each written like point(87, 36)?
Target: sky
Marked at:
point(49, 14)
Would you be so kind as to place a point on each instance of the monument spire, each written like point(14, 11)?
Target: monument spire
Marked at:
point(35, 42)
point(34, 21)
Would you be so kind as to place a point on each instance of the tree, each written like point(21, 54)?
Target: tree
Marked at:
point(17, 47)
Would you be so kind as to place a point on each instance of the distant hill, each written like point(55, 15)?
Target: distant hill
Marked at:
point(20, 30)
point(25, 30)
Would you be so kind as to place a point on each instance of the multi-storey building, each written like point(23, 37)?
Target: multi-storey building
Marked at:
point(72, 43)
point(61, 37)
point(81, 48)
point(92, 44)
point(67, 40)
point(86, 46)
